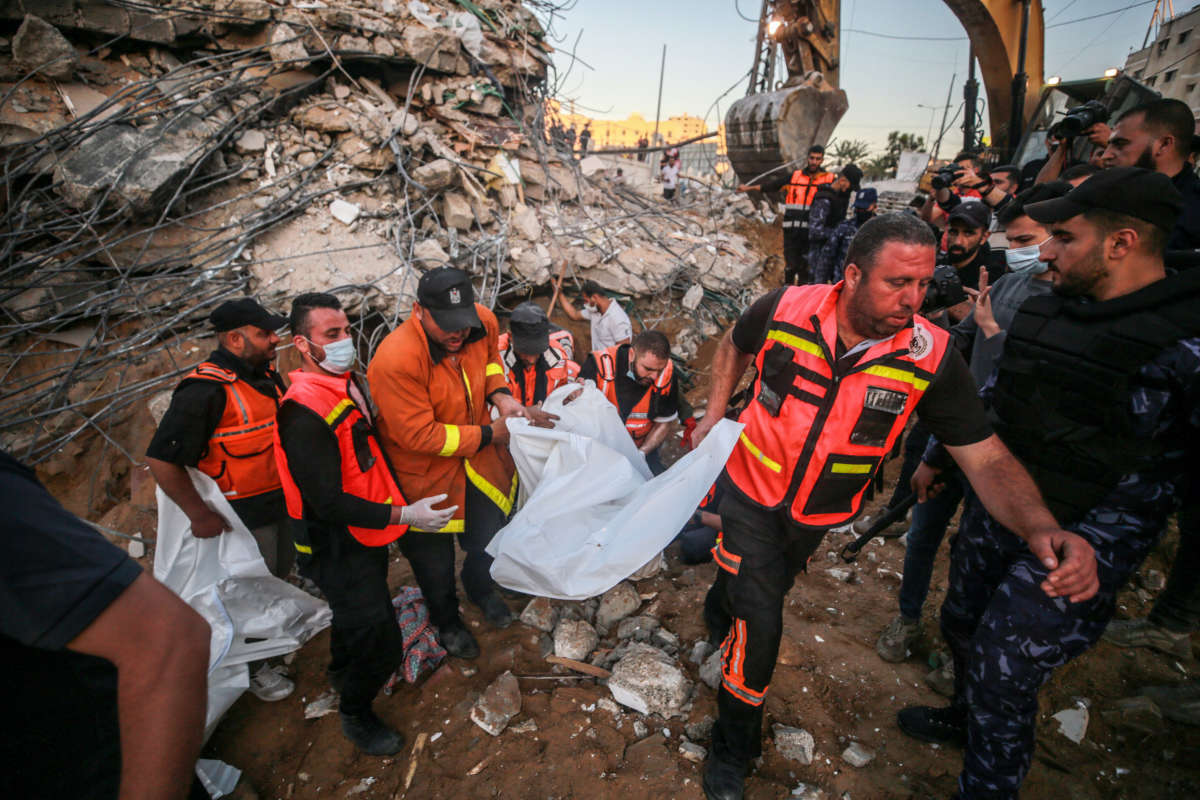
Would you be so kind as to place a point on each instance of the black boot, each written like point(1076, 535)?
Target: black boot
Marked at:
point(723, 779)
point(938, 725)
point(370, 735)
point(458, 641)
point(496, 611)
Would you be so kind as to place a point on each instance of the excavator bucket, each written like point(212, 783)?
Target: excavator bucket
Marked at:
point(764, 131)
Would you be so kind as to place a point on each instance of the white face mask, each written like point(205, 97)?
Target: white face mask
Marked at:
point(339, 356)
point(1025, 259)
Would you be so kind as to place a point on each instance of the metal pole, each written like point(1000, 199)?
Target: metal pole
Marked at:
point(1016, 120)
point(945, 110)
point(970, 98)
point(658, 111)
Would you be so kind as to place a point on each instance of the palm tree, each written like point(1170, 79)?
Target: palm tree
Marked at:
point(849, 151)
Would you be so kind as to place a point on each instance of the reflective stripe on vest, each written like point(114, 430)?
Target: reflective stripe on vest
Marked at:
point(240, 455)
point(522, 380)
point(365, 471)
point(803, 187)
point(638, 423)
point(813, 441)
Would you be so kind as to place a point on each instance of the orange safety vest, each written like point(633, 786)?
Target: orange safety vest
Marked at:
point(365, 471)
point(813, 440)
point(560, 368)
point(803, 187)
point(638, 422)
point(240, 455)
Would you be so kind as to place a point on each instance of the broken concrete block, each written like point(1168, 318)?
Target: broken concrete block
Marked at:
point(433, 48)
point(1072, 723)
point(143, 167)
point(795, 744)
point(436, 175)
point(428, 254)
point(710, 670)
point(840, 573)
point(456, 211)
point(285, 47)
point(405, 123)
point(699, 731)
point(325, 120)
point(692, 751)
point(617, 603)
point(806, 791)
point(352, 44)
point(1138, 714)
point(525, 222)
point(251, 141)
point(540, 613)
point(500, 702)
point(39, 46)
point(344, 212)
point(637, 628)
point(574, 638)
point(649, 681)
point(858, 755)
point(700, 651)
point(692, 297)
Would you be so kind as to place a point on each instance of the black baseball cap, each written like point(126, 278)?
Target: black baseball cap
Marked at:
point(234, 314)
point(1133, 191)
point(852, 173)
point(450, 298)
point(972, 212)
point(530, 328)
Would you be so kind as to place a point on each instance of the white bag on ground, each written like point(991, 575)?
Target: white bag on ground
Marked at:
point(592, 514)
point(253, 615)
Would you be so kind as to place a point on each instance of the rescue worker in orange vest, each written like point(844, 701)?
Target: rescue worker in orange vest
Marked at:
point(839, 371)
point(801, 187)
point(536, 356)
point(436, 379)
point(346, 507)
point(639, 380)
point(221, 421)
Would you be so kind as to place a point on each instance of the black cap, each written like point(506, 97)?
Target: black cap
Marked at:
point(530, 328)
point(450, 298)
point(244, 311)
point(852, 173)
point(1133, 191)
point(972, 212)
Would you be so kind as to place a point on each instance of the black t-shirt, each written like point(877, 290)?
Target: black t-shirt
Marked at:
point(629, 392)
point(57, 575)
point(195, 411)
point(950, 406)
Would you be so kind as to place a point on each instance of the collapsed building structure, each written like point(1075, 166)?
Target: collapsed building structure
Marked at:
point(161, 158)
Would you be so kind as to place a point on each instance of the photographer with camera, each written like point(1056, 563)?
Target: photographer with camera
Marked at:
point(965, 178)
point(1089, 120)
point(967, 252)
point(1158, 136)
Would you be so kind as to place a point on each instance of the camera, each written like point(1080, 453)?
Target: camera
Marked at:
point(946, 176)
point(1079, 119)
point(946, 290)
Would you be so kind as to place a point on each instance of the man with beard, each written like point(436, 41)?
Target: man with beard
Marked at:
point(1158, 136)
point(968, 251)
point(839, 372)
point(802, 188)
point(828, 211)
point(1097, 394)
point(638, 379)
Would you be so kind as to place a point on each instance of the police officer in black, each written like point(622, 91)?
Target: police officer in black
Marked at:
point(1098, 394)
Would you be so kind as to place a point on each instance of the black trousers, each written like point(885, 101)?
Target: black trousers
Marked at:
point(365, 642)
point(432, 558)
point(759, 554)
point(795, 254)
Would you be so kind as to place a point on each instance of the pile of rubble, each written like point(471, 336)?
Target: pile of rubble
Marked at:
point(160, 160)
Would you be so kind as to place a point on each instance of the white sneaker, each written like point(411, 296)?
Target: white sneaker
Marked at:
point(269, 685)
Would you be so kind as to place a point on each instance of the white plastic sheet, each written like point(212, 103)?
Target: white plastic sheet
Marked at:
point(253, 615)
point(592, 513)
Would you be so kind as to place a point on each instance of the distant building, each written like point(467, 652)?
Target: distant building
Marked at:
point(607, 133)
point(1171, 63)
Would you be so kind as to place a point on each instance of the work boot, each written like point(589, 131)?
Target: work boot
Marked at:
point(496, 611)
point(370, 735)
point(270, 685)
point(458, 641)
point(937, 725)
point(1178, 703)
point(724, 779)
point(941, 680)
point(1144, 633)
point(898, 638)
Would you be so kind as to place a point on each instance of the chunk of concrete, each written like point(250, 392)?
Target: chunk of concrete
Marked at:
point(692, 751)
point(540, 613)
point(404, 122)
point(649, 681)
point(428, 254)
point(574, 638)
point(456, 211)
point(436, 175)
point(499, 703)
point(806, 791)
point(40, 46)
point(525, 222)
point(710, 670)
point(1072, 723)
point(857, 755)
point(794, 744)
point(617, 603)
point(285, 47)
point(251, 141)
point(692, 297)
point(344, 212)
point(637, 628)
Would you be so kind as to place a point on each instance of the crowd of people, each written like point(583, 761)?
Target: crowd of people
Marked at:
point(1050, 388)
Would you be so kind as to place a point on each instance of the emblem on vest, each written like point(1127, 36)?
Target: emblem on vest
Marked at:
point(455, 296)
point(921, 342)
